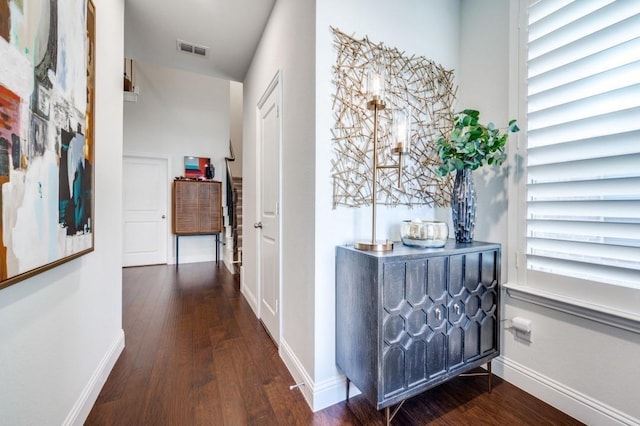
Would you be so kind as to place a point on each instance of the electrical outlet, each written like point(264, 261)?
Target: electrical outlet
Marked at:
point(522, 328)
point(524, 336)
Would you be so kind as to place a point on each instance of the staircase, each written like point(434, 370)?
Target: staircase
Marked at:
point(233, 217)
point(237, 222)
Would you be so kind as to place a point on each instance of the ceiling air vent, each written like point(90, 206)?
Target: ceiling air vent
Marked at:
point(187, 47)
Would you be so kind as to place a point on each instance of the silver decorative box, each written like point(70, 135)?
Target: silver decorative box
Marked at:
point(424, 233)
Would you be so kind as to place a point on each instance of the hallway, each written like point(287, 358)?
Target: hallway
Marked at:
point(196, 355)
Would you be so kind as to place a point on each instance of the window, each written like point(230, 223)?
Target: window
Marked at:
point(583, 141)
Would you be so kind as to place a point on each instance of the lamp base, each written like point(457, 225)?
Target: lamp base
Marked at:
point(375, 246)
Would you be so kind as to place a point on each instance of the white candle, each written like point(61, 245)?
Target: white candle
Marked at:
point(402, 129)
point(376, 85)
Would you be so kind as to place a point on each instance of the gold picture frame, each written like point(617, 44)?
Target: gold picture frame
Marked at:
point(46, 137)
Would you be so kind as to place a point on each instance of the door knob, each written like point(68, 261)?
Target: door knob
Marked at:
point(257, 225)
point(163, 216)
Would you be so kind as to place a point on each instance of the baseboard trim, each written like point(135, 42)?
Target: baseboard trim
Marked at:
point(81, 409)
point(560, 396)
point(332, 391)
point(195, 258)
point(297, 370)
point(318, 395)
point(251, 298)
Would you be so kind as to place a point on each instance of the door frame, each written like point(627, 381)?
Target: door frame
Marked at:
point(274, 85)
point(169, 214)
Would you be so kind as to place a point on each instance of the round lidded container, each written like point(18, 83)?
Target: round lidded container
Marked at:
point(424, 233)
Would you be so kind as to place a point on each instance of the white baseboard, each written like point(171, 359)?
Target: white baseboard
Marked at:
point(195, 258)
point(229, 266)
point(318, 395)
point(332, 391)
point(249, 296)
point(87, 398)
point(227, 253)
point(300, 375)
point(560, 396)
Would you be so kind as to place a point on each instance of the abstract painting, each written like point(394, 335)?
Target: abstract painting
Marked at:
point(46, 134)
point(198, 168)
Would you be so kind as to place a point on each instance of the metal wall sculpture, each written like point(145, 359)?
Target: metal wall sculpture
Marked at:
point(414, 84)
point(47, 76)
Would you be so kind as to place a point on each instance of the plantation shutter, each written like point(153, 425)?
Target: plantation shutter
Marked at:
point(583, 149)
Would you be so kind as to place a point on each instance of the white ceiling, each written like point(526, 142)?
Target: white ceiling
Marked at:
point(230, 28)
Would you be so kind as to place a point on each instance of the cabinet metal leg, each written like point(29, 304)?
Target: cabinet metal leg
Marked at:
point(348, 383)
point(490, 375)
point(389, 415)
point(177, 252)
point(217, 247)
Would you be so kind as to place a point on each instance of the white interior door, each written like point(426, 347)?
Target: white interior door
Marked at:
point(269, 198)
point(145, 233)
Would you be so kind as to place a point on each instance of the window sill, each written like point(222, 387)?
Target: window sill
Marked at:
point(602, 314)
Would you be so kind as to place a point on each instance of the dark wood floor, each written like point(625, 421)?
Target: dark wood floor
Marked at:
point(196, 355)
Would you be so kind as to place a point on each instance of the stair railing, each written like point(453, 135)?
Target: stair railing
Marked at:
point(231, 208)
point(230, 189)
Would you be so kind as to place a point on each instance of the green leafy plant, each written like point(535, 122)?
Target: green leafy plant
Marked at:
point(471, 144)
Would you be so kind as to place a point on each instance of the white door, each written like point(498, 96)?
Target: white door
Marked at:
point(145, 211)
point(268, 202)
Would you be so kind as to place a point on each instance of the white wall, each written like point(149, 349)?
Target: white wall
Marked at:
point(287, 46)
point(483, 77)
point(311, 229)
point(180, 113)
point(427, 28)
point(584, 368)
point(236, 94)
point(61, 331)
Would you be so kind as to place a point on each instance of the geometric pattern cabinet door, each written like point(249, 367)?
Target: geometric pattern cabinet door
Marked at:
point(410, 319)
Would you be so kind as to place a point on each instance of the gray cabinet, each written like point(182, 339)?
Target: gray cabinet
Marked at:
point(410, 319)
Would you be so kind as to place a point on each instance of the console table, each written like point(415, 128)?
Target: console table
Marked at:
point(410, 319)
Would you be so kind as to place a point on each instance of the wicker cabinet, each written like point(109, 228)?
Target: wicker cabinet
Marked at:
point(410, 319)
point(197, 207)
point(197, 210)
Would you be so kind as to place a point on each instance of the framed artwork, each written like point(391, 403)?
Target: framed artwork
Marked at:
point(47, 86)
point(198, 168)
